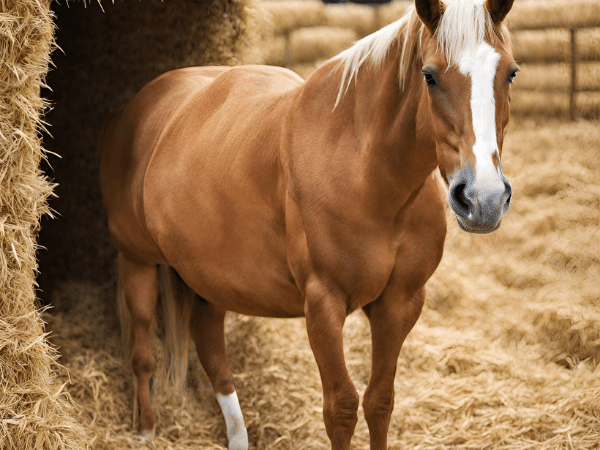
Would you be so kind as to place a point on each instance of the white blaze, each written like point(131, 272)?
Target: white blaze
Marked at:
point(481, 64)
point(234, 421)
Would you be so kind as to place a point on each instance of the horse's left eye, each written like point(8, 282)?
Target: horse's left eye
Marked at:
point(512, 76)
point(429, 79)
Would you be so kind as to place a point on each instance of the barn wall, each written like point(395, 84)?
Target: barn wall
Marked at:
point(106, 57)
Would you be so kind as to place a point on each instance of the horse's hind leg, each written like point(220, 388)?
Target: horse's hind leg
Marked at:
point(140, 288)
point(208, 332)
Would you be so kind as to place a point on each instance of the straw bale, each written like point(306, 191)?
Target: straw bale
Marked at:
point(274, 51)
point(315, 43)
point(557, 77)
point(536, 103)
point(304, 70)
point(555, 103)
point(588, 44)
point(542, 45)
point(290, 15)
point(588, 104)
point(553, 14)
point(554, 45)
point(35, 410)
point(363, 19)
point(392, 12)
point(506, 354)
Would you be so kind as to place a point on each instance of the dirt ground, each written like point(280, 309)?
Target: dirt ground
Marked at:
point(505, 355)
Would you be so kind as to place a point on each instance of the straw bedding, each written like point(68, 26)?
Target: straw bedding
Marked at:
point(505, 355)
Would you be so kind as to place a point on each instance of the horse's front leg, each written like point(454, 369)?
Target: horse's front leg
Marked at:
point(325, 316)
point(391, 317)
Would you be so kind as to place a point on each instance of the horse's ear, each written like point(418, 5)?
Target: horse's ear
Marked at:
point(430, 13)
point(499, 9)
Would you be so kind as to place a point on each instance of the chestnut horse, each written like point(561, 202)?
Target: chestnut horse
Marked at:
point(246, 189)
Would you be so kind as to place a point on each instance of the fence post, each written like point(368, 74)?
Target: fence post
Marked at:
point(573, 92)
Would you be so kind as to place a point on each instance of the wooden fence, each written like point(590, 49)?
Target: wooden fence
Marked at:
point(307, 32)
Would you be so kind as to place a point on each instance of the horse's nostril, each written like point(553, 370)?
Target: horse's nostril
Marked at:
point(508, 190)
point(459, 196)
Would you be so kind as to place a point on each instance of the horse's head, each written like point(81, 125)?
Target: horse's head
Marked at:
point(468, 67)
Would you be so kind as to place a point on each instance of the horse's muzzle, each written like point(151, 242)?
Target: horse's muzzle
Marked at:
point(479, 209)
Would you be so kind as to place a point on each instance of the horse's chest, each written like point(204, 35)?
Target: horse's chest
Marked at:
point(361, 269)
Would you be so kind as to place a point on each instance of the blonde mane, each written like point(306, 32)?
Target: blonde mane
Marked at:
point(464, 25)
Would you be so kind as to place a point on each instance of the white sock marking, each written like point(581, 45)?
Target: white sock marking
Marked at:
point(481, 64)
point(234, 421)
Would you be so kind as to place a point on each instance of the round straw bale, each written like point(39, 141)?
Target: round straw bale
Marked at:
point(291, 15)
point(315, 43)
point(361, 18)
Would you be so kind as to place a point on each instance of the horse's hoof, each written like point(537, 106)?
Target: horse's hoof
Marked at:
point(145, 438)
point(146, 435)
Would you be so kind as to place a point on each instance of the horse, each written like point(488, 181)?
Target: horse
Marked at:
point(247, 189)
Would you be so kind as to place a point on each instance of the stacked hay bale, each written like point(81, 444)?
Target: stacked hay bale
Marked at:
point(560, 76)
point(35, 413)
point(101, 68)
point(306, 33)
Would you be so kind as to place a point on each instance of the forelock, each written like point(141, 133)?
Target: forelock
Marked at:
point(464, 25)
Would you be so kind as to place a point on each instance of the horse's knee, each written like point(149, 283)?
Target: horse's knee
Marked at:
point(142, 363)
point(378, 406)
point(343, 410)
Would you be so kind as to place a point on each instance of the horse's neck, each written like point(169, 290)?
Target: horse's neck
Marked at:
point(378, 140)
point(393, 128)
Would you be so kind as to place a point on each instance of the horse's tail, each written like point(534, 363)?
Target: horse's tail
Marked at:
point(177, 300)
point(124, 320)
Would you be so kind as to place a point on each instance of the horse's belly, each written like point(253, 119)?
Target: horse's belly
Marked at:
point(252, 284)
